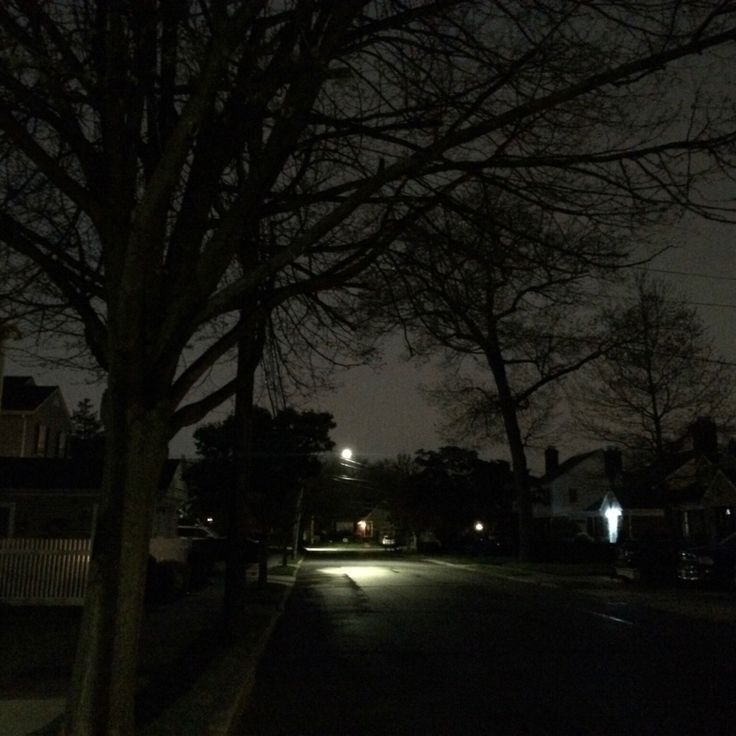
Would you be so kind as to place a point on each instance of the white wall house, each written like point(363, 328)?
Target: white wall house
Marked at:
point(34, 420)
point(592, 491)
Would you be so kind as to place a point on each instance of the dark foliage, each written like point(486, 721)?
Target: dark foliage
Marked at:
point(286, 449)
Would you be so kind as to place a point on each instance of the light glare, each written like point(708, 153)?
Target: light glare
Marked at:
point(613, 513)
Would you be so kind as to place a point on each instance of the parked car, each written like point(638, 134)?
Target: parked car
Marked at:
point(715, 564)
point(207, 548)
point(202, 535)
point(649, 559)
point(388, 540)
point(166, 580)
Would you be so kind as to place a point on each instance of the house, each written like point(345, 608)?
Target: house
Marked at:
point(59, 497)
point(701, 493)
point(690, 494)
point(575, 489)
point(48, 517)
point(697, 486)
point(591, 492)
point(379, 522)
point(34, 420)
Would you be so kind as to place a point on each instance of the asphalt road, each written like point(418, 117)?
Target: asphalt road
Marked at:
point(392, 645)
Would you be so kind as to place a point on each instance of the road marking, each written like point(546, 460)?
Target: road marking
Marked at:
point(615, 619)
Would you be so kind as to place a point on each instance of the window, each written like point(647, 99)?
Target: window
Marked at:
point(41, 434)
point(572, 495)
point(61, 444)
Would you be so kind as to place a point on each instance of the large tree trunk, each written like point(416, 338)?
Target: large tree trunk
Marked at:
point(521, 484)
point(101, 699)
point(297, 526)
point(507, 405)
point(521, 477)
point(240, 517)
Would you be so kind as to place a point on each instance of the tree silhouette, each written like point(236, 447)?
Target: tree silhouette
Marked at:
point(662, 374)
point(286, 455)
point(87, 436)
point(498, 289)
point(143, 149)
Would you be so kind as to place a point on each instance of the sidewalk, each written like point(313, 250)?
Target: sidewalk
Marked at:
point(190, 682)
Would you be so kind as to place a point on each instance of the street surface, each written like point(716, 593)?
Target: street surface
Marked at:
point(394, 645)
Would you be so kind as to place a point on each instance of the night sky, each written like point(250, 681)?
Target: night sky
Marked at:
point(380, 411)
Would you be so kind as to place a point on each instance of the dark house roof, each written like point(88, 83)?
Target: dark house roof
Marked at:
point(61, 474)
point(563, 467)
point(660, 481)
point(640, 497)
point(20, 393)
point(694, 488)
point(633, 497)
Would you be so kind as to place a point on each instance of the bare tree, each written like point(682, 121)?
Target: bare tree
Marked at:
point(500, 289)
point(660, 377)
point(147, 142)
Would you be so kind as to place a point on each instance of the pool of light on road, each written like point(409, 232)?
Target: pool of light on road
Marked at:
point(357, 572)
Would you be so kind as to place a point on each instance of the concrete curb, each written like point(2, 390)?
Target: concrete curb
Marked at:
point(217, 700)
point(225, 722)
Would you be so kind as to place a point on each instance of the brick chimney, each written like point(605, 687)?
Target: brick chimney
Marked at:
point(705, 436)
point(551, 460)
point(613, 462)
point(7, 332)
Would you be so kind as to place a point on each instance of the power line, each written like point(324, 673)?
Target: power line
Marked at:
point(688, 273)
point(686, 302)
point(711, 304)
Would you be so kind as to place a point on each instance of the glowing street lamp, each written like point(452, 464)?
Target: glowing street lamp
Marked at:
point(347, 454)
point(479, 526)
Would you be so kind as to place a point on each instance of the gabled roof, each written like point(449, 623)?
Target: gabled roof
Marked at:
point(639, 497)
point(61, 474)
point(683, 478)
point(20, 393)
point(721, 490)
point(567, 465)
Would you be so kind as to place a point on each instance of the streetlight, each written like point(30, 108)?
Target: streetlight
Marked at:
point(347, 454)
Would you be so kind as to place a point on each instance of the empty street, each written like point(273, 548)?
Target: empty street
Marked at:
point(390, 645)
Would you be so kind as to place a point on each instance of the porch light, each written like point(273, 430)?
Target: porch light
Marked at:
point(479, 526)
point(612, 514)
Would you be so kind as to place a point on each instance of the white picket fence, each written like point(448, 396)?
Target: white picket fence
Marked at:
point(43, 571)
